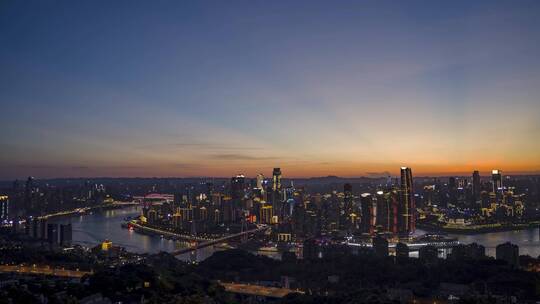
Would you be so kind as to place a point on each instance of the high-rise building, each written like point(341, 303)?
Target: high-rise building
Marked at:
point(4, 207)
point(384, 211)
point(387, 212)
point(228, 211)
point(508, 252)
point(366, 205)
point(266, 213)
point(177, 220)
point(277, 202)
point(452, 190)
point(260, 180)
point(496, 179)
point(407, 207)
point(276, 180)
point(476, 186)
point(238, 184)
point(347, 206)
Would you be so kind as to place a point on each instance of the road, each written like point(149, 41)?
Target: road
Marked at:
point(257, 290)
point(43, 270)
point(217, 241)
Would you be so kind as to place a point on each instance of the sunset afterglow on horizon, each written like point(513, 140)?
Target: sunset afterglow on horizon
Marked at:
point(189, 89)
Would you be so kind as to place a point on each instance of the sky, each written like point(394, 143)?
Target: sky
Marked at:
point(217, 88)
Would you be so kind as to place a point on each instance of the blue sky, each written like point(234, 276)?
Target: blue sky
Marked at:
point(198, 88)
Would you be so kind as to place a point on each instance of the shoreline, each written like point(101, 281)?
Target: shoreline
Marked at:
point(478, 229)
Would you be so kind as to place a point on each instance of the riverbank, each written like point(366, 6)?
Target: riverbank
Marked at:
point(477, 229)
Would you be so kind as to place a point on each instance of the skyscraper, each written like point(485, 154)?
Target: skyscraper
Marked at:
point(496, 179)
point(260, 180)
point(237, 188)
point(476, 185)
point(366, 205)
point(4, 207)
point(407, 206)
point(347, 199)
point(276, 180)
point(276, 192)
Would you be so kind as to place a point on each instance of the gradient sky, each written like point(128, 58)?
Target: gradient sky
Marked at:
point(215, 88)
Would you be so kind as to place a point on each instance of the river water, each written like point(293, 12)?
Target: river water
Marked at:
point(92, 229)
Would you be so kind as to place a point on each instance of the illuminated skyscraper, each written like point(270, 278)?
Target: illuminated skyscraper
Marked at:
point(266, 214)
point(407, 206)
point(384, 217)
point(276, 193)
point(366, 205)
point(260, 180)
point(4, 207)
point(496, 179)
point(276, 180)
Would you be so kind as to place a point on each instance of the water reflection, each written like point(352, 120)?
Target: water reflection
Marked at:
point(92, 229)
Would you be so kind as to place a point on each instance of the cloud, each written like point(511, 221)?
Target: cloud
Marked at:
point(234, 156)
point(186, 166)
point(378, 174)
point(199, 146)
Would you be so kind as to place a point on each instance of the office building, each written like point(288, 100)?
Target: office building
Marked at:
point(238, 184)
point(496, 180)
point(4, 207)
point(366, 205)
point(406, 205)
point(266, 213)
point(260, 181)
point(476, 185)
point(276, 180)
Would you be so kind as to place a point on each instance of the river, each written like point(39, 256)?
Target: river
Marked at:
point(92, 229)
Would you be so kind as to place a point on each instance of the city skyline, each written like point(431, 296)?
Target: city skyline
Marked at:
point(213, 89)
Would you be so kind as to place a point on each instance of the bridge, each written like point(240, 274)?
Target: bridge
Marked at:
point(82, 210)
point(220, 240)
point(171, 234)
point(43, 270)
